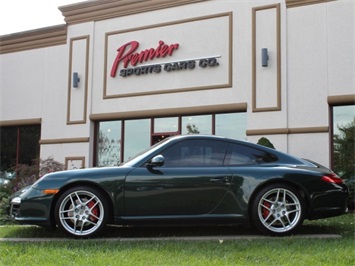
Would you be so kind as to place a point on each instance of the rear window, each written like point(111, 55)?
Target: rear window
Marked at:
point(244, 155)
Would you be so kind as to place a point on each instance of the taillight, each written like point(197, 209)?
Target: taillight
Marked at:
point(332, 178)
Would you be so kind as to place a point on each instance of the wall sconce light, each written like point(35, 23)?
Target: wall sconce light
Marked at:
point(76, 79)
point(264, 57)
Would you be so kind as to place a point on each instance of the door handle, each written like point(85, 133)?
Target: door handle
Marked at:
point(225, 180)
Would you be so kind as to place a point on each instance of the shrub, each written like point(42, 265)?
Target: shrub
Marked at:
point(265, 142)
point(25, 176)
point(5, 192)
point(50, 165)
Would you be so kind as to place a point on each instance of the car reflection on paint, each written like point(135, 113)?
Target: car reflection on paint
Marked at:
point(182, 180)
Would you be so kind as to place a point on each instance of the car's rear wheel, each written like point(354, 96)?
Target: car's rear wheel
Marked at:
point(81, 211)
point(278, 210)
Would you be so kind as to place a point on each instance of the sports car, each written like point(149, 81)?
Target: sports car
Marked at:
point(182, 180)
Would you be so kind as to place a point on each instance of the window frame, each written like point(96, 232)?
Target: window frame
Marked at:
point(331, 127)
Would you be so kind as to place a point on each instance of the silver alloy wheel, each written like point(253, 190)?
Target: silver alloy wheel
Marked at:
point(81, 213)
point(279, 210)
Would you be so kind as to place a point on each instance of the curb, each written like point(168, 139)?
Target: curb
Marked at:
point(189, 238)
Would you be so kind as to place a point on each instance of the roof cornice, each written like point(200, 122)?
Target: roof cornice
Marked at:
point(95, 10)
point(104, 9)
point(86, 11)
point(298, 3)
point(32, 39)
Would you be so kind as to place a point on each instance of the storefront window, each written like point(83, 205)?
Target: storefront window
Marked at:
point(142, 133)
point(231, 125)
point(343, 140)
point(201, 124)
point(29, 144)
point(19, 145)
point(109, 143)
point(8, 151)
point(137, 137)
point(166, 125)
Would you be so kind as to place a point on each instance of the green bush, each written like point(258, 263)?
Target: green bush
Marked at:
point(5, 192)
point(25, 176)
point(265, 142)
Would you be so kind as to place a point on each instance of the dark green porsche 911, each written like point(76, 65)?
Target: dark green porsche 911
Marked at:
point(190, 179)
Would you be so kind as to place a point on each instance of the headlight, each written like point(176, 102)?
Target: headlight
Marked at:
point(16, 200)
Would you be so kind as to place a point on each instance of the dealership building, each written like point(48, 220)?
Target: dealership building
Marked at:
point(121, 75)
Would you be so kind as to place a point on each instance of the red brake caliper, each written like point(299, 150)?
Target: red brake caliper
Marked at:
point(266, 211)
point(94, 211)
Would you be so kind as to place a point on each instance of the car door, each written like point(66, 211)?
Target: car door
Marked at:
point(192, 181)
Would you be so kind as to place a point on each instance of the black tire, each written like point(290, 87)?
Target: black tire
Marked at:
point(278, 210)
point(81, 211)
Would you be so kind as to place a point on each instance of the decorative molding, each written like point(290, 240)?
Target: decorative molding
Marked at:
point(225, 108)
point(282, 131)
point(21, 122)
point(83, 81)
point(341, 99)
point(105, 9)
point(273, 131)
point(64, 140)
point(227, 84)
point(95, 11)
point(278, 60)
point(78, 13)
point(298, 3)
point(75, 161)
point(33, 39)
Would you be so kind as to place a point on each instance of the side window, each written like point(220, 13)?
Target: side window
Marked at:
point(244, 155)
point(195, 153)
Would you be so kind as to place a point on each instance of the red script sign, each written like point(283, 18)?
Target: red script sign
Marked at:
point(126, 53)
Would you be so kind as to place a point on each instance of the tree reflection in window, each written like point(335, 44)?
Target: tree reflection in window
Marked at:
point(344, 141)
point(109, 143)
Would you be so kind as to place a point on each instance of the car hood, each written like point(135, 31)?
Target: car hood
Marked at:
point(95, 175)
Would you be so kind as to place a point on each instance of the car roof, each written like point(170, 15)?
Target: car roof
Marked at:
point(201, 136)
point(211, 137)
point(282, 156)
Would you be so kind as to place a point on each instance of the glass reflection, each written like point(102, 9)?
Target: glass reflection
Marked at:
point(201, 124)
point(343, 141)
point(342, 115)
point(231, 125)
point(109, 143)
point(167, 124)
point(137, 137)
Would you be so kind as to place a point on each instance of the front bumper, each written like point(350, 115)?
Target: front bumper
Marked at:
point(31, 206)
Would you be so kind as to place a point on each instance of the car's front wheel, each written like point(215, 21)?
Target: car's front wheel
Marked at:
point(278, 210)
point(81, 211)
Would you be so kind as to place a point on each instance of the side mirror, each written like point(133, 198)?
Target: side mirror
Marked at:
point(157, 161)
